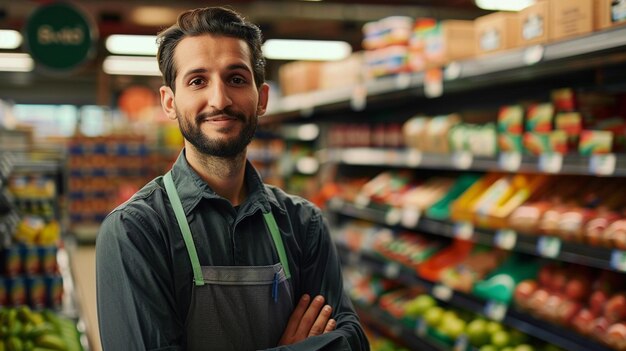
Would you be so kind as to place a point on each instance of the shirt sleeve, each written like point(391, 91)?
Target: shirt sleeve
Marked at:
point(136, 308)
point(321, 274)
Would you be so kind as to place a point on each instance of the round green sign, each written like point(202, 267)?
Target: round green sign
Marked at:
point(59, 36)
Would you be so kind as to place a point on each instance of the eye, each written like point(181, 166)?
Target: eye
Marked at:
point(196, 82)
point(238, 80)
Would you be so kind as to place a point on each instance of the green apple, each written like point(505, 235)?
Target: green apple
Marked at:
point(501, 338)
point(433, 316)
point(524, 347)
point(419, 305)
point(453, 327)
point(477, 332)
point(517, 337)
point(488, 348)
point(508, 348)
point(493, 326)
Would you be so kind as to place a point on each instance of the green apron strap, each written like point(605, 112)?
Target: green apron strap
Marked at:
point(270, 221)
point(184, 227)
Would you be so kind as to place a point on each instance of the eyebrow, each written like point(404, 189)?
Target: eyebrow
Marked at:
point(233, 67)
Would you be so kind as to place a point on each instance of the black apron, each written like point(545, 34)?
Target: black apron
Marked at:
point(235, 307)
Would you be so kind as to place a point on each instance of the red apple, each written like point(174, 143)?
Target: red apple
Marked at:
point(559, 279)
point(577, 288)
point(582, 321)
point(616, 336)
point(567, 311)
point(523, 291)
point(549, 310)
point(537, 300)
point(545, 275)
point(615, 308)
point(599, 327)
point(597, 301)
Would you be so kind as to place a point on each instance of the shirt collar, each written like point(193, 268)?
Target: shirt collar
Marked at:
point(192, 189)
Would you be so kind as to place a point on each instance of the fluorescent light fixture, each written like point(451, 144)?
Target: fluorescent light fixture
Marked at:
point(16, 62)
point(309, 50)
point(10, 39)
point(131, 65)
point(154, 15)
point(504, 5)
point(123, 44)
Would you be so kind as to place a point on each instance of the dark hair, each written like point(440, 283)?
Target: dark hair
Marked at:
point(209, 20)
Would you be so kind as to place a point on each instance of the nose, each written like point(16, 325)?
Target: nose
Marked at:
point(219, 97)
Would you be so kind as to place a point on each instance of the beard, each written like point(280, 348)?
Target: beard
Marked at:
point(219, 147)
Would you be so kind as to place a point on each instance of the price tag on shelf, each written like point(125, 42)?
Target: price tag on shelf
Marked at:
point(307, 111)
point(550, 163)
point(393, 216)
point(442, 292)
point(392, 270)
point(403, 80)
point(421, 328)
point(354, 257)
point(433, 83)
point(358, 100)
point(410, 217)
point(413, 158)
point(461, 343)
point(618, 260)
point(495, 310)
point(549, 246)
point(602, 164)
point(452, 71)
point(510, 161)
point(335, 203)
point(533, 54)
point(462, 159)
point(463, 230)
point(505, 239)
point(361, 201)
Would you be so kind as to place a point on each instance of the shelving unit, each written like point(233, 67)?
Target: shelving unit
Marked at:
point(518, 65)
point(598, 257)
point(597, 59)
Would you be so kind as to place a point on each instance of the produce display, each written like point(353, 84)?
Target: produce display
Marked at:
point(451, 328)
point(24, 329)
point(589, 301)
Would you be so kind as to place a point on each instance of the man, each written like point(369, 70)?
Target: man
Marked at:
point(208, 257)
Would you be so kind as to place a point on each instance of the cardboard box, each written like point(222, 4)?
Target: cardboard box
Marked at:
point(496, 32)
point(534, 24)
point(299, 77)
point(570, 18)
point(608, 14)
point(450, 40)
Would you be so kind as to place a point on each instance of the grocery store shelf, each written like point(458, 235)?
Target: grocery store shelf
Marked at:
point(605, 165)
point(515, 65)
point(545, 331)
point(540, 245)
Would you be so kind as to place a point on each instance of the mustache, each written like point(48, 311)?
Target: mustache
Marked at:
point(225, 112)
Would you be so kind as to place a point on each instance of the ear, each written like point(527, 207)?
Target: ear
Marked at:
point(264, 92)
point(167, 102)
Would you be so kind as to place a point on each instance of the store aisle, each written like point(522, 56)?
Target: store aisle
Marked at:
point(83, 260)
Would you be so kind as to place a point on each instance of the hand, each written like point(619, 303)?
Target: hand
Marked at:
point(308, 320)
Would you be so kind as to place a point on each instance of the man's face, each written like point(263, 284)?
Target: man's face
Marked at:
point(216, 100)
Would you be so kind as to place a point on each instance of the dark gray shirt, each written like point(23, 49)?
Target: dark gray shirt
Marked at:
point(144, 277)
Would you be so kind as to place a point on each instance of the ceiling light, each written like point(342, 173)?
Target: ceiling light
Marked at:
point(132, 44)
point(309, 50)
point(504, 5)
point(131, 66)
point(16, 62)
point(154, 16)
point(10, 39)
